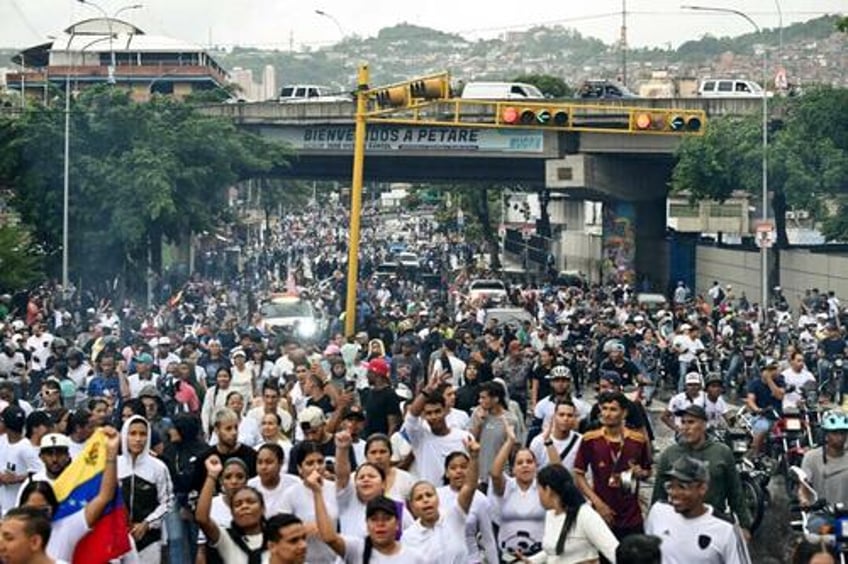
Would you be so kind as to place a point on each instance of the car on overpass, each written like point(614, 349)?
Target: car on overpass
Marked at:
point(604, 90)
point(311, 93)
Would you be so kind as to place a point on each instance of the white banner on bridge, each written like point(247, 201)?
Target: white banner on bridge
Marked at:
point(416, 138)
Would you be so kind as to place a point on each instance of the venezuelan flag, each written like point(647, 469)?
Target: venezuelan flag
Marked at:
point(76, 486)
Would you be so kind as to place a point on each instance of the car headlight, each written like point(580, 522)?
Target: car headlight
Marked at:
point(307, 328)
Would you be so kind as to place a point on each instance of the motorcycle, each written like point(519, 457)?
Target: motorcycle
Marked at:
point(786, 446)
point(754, 474)
point(822, 523)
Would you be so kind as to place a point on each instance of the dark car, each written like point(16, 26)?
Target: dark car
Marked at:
point(604, 89)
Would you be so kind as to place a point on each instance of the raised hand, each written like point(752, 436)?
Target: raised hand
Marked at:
point(471, 445)
point(343, 439)
point(315, 481)
point(214, 466)
point(113, 441)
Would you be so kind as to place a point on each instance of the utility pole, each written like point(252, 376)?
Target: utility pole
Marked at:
point(624, 42)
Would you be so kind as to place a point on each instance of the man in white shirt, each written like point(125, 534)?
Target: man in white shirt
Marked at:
point(714, 404)
point(164, 356)
point(39, 345)
point(18, 458)
point(143, 375)
point(687, 345)
point(692, 395)
point(429, 435)
point(559, 442)
point(690, 530)
point(560, 380)
point(456, 370)
point(796, 376)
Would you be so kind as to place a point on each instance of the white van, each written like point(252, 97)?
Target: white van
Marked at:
point(501, 91)
point(730, 87)
point(310, 93)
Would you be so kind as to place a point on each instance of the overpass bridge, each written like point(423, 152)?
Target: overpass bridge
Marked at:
point(628, 171)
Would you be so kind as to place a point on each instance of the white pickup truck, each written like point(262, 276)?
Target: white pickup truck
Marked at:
point(311, 93)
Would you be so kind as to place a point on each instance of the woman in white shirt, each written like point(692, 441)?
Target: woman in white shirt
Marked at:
point(516, 499)
point(235, 543)
point(269, 480)
point(478, 522)
point(574, 532)
point(215, 398)
point(440, 532)
point(242, 375)
point(297, 499)
point(378, 451)
point(270, 431)
point(380, 544)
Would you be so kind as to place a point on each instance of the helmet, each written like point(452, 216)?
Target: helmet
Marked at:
point(559, 371)
point(59, 343)
point(835, 420)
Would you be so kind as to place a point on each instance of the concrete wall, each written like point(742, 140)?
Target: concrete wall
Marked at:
point(800, 270)
point(739, 268)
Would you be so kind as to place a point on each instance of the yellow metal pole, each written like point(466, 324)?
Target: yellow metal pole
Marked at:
point(356, 200)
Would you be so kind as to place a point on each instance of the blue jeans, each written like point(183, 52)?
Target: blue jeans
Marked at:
point(681, 380)
point(182, 537)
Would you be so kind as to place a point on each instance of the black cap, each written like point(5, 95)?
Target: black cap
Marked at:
point(714, 379)
point(694, 411)
point(381, 503)
point(688, 469)
point(14, 418)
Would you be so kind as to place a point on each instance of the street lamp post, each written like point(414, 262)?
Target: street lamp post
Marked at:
point(764, 203)
point(109, 19)
point(324, 14)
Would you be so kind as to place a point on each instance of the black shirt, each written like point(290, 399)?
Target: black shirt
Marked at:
point(379, 404)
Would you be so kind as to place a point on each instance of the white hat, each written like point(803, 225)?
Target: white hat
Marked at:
point(55, 440)
point(164, 340)
point(685, 327)
point(693, 378)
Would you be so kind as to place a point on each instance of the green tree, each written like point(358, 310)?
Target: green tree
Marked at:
point(842, 24)
point(140, 174)
point(551, 86)
point(20, 261)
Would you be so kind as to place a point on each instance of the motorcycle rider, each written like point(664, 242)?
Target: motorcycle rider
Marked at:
point(827, 466)
point(831, 347)
point(797, 376)
point(765, 396)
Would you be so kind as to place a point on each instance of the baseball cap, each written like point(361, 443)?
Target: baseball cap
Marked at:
point(378, 366)
point(381, 504)
point(688, 469)
point(354, 412)
point(144, 358)
point(312, 416)
point(694, 411)
point(685, 327)
point(14, 418)
point(238, 351)
point(611, 376)
point(714, 379)
point(54, 440)
point(164, 341)
point(693, 378)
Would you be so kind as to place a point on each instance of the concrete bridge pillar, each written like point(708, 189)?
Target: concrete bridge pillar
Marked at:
point(576, 244)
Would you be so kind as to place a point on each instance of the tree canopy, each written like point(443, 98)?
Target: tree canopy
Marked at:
point(807, 159)
point(139, 174)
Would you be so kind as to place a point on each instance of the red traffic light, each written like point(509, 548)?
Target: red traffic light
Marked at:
point(509, 115)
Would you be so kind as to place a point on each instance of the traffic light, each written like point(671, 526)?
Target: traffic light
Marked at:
point(436, 87)
point(393, 96)
point(659, 121)
point(510, 115)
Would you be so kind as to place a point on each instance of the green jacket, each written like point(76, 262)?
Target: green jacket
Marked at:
point(725, 487)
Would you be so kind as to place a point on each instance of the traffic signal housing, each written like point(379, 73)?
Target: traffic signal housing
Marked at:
point(534, 116)
point(650, 121)
point(406, 94)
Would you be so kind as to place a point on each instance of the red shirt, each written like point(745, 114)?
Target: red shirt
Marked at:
point(607, 459)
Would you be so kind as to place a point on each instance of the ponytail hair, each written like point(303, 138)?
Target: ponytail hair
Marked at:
point(558, 479)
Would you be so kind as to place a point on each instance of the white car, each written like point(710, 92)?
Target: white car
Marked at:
point(292, 314)
point(408, 260)
point(494, 290)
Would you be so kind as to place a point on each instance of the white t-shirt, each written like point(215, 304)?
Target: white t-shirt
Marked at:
point(589, 537)
point(352, 513)
point(432, 450)
point(402, 485)
point(457, 419)
point(273, 497)
point(546, 407)
point(232, 554)
point(522, 517)
point(715, 410)
point(444, 542)
point(478, 521)
point(681, 401)
point(136, 384)
point(299, 500)
point(537, 447)
point(795, 380)
point(65, 534)
point(355, 549)
point(19, 458)
point(705, 539)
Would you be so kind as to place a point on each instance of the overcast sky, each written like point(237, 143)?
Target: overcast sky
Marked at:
point(273, 23)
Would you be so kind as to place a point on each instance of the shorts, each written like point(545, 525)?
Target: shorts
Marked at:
point(761, 424)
